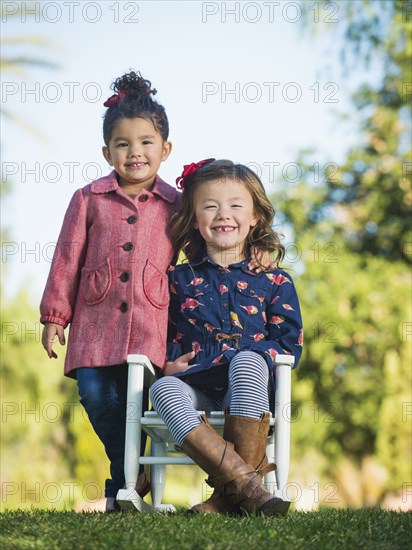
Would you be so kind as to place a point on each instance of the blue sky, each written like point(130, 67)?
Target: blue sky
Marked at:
point(239, 80)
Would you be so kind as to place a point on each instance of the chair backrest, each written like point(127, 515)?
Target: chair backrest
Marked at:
point(163, 447)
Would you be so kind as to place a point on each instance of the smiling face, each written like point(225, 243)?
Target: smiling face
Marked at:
point(224, 214)
point(136, 151)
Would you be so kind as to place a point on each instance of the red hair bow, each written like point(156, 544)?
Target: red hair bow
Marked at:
point(189, 169)
point(114, 99)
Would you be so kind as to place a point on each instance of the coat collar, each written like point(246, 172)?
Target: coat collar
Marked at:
point(109, 183)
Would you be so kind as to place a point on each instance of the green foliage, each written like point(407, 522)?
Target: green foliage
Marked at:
point(353, 233)
point(394, 436)
point(50, 455)
point(367, 529)
point(49, 452)
point(353, 318)
point(370, 200)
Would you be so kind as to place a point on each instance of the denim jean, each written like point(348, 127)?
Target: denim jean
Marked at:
point(103, 394)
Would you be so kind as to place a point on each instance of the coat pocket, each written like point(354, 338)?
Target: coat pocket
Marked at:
point(95, 283)
point(156, 286)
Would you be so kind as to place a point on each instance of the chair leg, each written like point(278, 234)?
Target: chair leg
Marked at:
point(128, 498)
point(157, 474)
point(282, 422)
point(269, 479)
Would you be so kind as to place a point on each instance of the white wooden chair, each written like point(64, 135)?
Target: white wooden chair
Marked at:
point(141, 373)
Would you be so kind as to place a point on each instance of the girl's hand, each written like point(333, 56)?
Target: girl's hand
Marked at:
point(178, 365)
point(261, 261)
point(50, 331)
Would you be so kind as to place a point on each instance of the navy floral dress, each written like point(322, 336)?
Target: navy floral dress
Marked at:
point(219, 312)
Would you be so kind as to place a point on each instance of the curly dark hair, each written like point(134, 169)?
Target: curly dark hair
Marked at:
point(261, 237)
point(137, 101)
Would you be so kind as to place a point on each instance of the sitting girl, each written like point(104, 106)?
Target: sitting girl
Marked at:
point(227, 326)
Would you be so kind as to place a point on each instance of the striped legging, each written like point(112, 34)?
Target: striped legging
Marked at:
point(177, 403)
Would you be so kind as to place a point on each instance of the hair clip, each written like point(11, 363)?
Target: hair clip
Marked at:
point(189, 169)
point(114, 99)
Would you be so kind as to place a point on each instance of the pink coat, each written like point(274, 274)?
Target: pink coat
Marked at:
point(108, 275)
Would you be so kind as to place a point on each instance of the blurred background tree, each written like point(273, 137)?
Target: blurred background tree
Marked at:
point(49, 454)
point(354, 247)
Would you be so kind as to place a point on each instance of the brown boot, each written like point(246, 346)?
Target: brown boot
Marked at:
point(217, 503)
point(238, 481)
point(249, 436)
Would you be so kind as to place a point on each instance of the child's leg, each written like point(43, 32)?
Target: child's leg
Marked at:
point(103, 394)
point(247, 424)
point(235, 482)
point(248, 391)
point(177, 404)
point(247, 398)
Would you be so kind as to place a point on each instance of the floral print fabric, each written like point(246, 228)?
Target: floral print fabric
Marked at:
point(218, 312)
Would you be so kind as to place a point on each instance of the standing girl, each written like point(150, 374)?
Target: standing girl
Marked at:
point(107, 279)
point(227, 326)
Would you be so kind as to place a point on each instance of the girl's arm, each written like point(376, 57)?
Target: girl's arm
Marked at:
point(176, 360)
point(284, 319)
point(59, 297)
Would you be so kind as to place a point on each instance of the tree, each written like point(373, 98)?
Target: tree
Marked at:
point(372, 197)
point(50, 455)
point(353, 232)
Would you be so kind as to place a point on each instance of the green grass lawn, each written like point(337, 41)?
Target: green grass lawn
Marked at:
point(353, 529)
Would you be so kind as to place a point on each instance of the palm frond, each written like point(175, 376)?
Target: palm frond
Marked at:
point(23, 123)
point(11, 62)
point(18, 40)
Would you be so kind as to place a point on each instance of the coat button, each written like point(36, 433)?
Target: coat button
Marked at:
point(143, 198)
point(128, 247)
point(123, 307)
point(124, 277)
point(132, 219)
